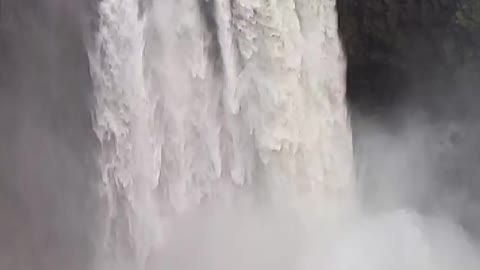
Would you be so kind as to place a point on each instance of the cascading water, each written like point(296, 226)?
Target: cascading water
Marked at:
point(213, 100)
point(124, 117)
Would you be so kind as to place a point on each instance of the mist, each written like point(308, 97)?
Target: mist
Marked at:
point(414, 211)
point(408, 218)
point(46, 142)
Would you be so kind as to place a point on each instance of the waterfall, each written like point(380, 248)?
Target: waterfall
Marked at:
point(200, 101)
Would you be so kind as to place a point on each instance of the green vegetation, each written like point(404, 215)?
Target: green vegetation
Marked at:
point(468, 15)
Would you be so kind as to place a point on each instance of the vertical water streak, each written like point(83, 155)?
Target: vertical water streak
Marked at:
point(124, 124)
point(180, 67)
point(292, 91)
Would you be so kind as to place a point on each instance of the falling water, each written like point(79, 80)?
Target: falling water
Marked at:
point(202, 101)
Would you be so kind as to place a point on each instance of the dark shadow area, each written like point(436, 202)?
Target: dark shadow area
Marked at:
point(413, 77)
point(46, 140)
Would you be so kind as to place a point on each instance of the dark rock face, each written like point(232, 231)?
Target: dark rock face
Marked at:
point(394, 44)
point(418, 61)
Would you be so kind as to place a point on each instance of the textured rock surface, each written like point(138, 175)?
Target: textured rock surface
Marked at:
point(394, 44)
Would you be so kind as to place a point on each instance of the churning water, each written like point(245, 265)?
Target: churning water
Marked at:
point(225, 143)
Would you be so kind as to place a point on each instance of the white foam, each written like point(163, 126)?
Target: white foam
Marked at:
point(176, 132)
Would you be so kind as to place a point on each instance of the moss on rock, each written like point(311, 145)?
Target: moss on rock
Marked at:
point(468, 15)
point(407, 42)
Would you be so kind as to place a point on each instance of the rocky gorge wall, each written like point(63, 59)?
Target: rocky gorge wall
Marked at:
point(413, 73)
point(392, 45)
